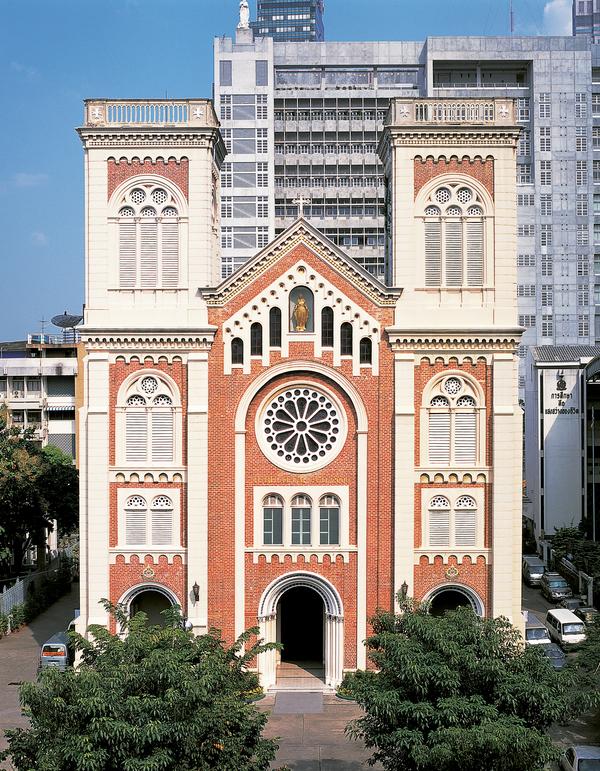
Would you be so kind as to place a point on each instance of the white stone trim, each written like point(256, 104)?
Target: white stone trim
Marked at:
point(453, 494)
point(334, 624)
point(148, 493)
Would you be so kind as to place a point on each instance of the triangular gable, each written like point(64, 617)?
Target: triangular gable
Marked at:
point(302, 232)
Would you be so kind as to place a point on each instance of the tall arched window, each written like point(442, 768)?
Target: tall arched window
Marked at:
point(454, 231)
point(453, 423)
point(327, 328)
point(237, 350)
point(366, 351)
point(136, 514)
point(329, 520)
point(439, 521)
point(148, 220)
point(465, 521)
point(273, 520)
point(301, 512)
point(275, 328)
point(346, 339)
point(149, 422)
point(256, 341)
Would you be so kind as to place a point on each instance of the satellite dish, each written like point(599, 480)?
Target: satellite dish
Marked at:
point(66, 320)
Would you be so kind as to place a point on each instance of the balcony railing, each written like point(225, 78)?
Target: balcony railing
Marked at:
point(451, 111)
point(149, 112)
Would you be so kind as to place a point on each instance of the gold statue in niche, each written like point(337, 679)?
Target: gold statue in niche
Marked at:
point(300, 315)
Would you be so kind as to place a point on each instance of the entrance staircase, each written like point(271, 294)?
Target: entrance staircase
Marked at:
point(301, 676)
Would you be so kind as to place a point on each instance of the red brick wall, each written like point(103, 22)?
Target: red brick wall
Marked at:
point(478, 168)
point(225, 394)
point(476, 576)
point(123, 169)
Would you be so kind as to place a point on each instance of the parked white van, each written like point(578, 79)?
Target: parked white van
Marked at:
point(564, 627)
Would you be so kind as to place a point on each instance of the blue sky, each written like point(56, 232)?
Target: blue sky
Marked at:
point(55, 53)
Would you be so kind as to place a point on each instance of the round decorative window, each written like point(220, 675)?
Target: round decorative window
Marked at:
point(301, 428)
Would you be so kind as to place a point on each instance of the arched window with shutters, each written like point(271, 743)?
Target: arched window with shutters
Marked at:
point(301, 516)
point(329, 520)
point(327, 327)
point(454, 231)
point(237, 350)
point(273, 520)
point(148, 422)
point(346, 339)
point(148, 217)
point(453, 414)
point(452, 525)
point(275, 328)
point(149, 525)
point(256, 340)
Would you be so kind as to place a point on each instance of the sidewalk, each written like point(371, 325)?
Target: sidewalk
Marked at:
point(19, 654)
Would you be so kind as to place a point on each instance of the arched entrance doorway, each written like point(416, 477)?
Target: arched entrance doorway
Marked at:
point(150, 599)
point(447, 598)
point(301, 615)
point(304, 612)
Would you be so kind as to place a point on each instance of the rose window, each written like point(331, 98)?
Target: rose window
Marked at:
point(301, 427)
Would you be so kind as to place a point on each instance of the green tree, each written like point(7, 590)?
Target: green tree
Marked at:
point(458, 693)
point(152, 699)
point(37, 486)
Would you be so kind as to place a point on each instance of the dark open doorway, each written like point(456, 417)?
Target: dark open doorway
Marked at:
point(152, 604)
point(449, 599)
point(301, 614)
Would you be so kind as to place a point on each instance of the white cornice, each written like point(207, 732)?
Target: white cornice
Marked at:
point(501, 339)
point(156, 340)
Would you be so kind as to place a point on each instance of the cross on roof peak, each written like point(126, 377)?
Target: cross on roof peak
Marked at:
point(301, 203)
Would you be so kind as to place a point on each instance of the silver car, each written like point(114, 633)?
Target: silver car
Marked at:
point(582, 757)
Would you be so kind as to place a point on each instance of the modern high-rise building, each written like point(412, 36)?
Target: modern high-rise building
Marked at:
point(586, 18)
point(302, 122)
point(290, 20)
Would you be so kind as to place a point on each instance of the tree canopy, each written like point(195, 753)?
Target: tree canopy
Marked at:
point(152, 698)
point(37, 486)
point(458, 693)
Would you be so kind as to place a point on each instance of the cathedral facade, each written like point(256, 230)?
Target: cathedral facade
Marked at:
point(298, 445)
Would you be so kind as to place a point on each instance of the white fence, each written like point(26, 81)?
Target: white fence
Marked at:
point(17, 593)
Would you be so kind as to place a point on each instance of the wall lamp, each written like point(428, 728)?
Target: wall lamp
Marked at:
point(196, 592)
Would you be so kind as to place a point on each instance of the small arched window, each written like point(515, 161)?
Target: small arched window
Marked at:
point(346, 339)
point(149, 528)
point(148, 221)
point(454, 231)
point(272, 520)
point(465, 522)
point(453, 423)
point(329, 520)
point(327, 328)
point(366, 351)
point(256, 341)
point(136, 513)
point(149, 422)
point(301, 515)
point(439, 521)
point(275, 328)
point(237, 350)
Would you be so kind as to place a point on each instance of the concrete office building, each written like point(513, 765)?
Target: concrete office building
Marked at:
point(586, 18)
point(290, 20)
point(303, 121)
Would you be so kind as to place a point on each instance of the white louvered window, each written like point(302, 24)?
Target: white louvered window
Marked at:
point(149, 422)
point(453, 421)
point(136, 512)
point(454, 237)
point(450, 525)
point(149, 235)
point(162, 521)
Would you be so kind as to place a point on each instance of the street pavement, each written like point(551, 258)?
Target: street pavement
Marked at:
point(310, 730)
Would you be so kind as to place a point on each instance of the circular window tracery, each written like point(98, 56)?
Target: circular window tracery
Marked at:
point(137, 195)
point(159, 195)
point(442, 195)
point(149, 385)
point(301, 428)
point(452, 386)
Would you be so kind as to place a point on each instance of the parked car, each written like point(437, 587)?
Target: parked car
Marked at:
point(583, 757)
point(533, 569)
point(555, 653)
point(535, 632)
point(571, 603)
point(554, 587)
point(564, 627)
point(56, 652)
point(587, 614)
